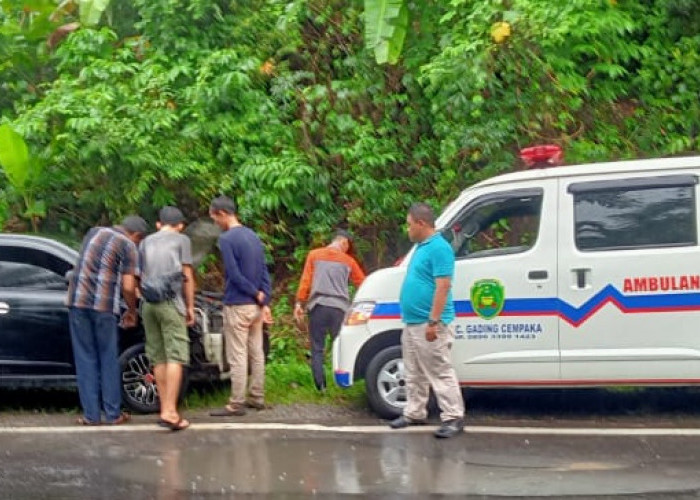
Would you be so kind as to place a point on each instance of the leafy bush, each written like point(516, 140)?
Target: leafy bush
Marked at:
point(281, 105)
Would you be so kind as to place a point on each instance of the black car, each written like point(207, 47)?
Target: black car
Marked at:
point(35, 345)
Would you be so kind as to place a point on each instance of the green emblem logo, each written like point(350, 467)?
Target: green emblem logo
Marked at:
point(487, 298)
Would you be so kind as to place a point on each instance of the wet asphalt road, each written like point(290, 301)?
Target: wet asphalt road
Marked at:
point(286, 463)
point(518, 444)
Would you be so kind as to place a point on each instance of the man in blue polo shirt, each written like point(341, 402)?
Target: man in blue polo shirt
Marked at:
point(427, 311)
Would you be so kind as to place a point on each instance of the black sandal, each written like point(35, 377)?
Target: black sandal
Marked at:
point(180, 425)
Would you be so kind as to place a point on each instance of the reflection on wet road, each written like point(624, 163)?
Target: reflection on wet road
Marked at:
point(295, 464)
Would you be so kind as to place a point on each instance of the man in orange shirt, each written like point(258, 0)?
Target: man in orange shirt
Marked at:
point(323, 292)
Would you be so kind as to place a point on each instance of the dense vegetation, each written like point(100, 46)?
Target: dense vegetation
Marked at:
point(282, 104)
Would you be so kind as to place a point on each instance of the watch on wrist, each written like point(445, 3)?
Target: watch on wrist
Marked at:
point(433, 322)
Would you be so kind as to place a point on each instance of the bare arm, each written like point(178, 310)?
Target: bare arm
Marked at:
point(130, 318)
point(442, 288)
point(129, 291)
point(188, 287)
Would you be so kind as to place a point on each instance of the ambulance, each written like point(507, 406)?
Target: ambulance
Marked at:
point(575, 276)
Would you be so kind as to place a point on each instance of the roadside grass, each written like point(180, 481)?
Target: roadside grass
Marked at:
point(285, 383)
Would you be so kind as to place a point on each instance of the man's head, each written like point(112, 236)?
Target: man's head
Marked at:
point(222, 210)
point(135, 227)
point(172, 218)
point(343, 240)
point(420, 221)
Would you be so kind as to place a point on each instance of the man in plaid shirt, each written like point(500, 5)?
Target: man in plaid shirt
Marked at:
point(108, 264)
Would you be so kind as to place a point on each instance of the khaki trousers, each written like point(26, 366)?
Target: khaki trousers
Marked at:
point(426, 365)
point(244, 346)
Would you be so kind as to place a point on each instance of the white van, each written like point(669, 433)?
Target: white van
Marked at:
point(570, 276)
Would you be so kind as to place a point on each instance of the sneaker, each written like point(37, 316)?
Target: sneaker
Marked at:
point(401, 422)
point(450, 428)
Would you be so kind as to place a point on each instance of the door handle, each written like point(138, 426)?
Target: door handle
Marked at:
point(4, 308)
point(538, 275)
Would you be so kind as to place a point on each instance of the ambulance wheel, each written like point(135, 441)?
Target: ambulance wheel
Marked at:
point(385, 383)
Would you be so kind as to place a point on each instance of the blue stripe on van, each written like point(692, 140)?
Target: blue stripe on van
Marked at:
point(628, 304)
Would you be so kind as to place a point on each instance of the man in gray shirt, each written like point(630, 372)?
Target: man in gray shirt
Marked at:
point(167, 287)
point(323, 291)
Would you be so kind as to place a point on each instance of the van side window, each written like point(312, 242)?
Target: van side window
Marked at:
point(496, 224)
point(632, 217)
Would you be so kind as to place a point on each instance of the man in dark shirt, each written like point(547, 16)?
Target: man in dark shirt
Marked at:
point(246, 293)
point(108, 263)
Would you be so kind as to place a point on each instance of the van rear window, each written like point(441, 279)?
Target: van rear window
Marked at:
point(635, 216)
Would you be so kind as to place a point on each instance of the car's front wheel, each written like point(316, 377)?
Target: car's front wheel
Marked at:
point(139, 389)
point(385, 383)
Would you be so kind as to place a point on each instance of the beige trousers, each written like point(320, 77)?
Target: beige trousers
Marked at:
point(426, 365)
point(244, 345)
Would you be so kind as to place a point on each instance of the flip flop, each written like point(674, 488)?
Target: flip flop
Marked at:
point(228, 411)
point(180, 425)
point(85, 421)
point(121, 419)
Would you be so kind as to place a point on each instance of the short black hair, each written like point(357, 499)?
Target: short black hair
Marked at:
point(171, 216)
point(135, 224)
point(343, 233)
point(423, 212)
point(223, 204)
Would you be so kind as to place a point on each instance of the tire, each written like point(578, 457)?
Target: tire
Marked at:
point(138, 385)
point(385, 384)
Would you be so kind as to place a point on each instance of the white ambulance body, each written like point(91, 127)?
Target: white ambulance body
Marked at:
point(564, 277)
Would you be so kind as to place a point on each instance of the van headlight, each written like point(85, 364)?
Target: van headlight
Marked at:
point(359, 313)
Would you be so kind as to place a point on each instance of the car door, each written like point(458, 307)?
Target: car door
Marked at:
point(34, 334)
point(629, 280)
point(505, 286)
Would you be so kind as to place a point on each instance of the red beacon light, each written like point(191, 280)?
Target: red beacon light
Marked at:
point(546, 155)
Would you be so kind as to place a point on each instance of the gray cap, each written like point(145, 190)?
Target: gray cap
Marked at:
point(135, 224)
point(171, 216)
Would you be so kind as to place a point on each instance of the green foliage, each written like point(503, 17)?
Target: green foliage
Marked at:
point(24, 28)
point(23, 172)
point(4, 210)
point(285, 349)
point(282, 105)
point(91, 11)
point(284, 384)
point(14, 157)
point(386, 22)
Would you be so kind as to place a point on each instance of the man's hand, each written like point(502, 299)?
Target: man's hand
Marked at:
point(189, 316)
point(130, 319)
point(267, 316)
point(260, 298)
point(431, 333)
point(298, 313)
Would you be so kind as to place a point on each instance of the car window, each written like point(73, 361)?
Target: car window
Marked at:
point(624, 218)
point(501, 224)
point(22, 267)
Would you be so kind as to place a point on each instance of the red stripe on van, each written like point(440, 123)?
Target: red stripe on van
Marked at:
point(552, 383)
